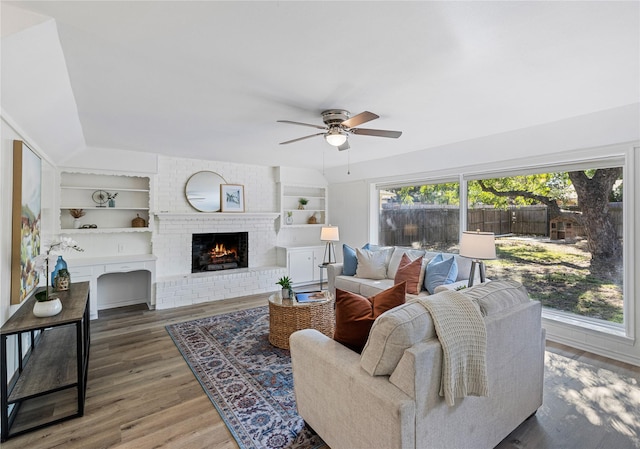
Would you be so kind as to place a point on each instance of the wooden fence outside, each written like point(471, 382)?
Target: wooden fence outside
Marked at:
point(407, 225)
point(427, 224)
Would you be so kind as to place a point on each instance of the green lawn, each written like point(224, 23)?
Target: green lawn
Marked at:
point(558, 274)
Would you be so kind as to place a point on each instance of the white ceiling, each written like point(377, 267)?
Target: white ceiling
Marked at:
point(209, 79)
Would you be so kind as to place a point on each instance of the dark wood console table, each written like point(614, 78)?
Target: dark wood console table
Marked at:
point(52, 359)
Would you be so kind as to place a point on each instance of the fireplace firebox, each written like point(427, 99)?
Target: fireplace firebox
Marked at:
point(219, 251)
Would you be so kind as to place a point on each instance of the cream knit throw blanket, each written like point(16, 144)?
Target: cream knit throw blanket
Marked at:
point(463, 336)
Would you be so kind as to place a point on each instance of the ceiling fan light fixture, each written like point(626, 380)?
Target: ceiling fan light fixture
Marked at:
point(335, 137)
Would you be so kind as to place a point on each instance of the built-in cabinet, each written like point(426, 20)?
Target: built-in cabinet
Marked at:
point(111, 203)
point(115, 233)
point(301, 262)
point(293, 214)
point(116, 281)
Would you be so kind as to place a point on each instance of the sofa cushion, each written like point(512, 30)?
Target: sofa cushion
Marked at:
point(364, 287)
point(396, 257)
point(355, 314)
point(350, 261)
point(409, 272)
point(371, 287)
point(372, 264)
point(496, 296)
point(348, 283)
point(394, 332)
point(440, 271)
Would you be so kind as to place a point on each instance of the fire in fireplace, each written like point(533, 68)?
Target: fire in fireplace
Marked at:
point(219, 251)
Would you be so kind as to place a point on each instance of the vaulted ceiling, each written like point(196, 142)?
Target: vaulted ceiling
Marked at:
point(209, 79)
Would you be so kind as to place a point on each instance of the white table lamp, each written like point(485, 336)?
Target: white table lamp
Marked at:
point(329, 234)
point(478, 246)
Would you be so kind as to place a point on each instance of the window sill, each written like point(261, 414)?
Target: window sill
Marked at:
point(614, 331)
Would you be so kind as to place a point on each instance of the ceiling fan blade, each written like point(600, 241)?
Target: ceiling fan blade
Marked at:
point(303, 124)
point(301, 138)
point(359, 119)
point(376, 132)
point(344, 146)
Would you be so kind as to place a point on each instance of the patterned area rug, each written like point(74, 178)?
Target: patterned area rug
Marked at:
point(248, 380)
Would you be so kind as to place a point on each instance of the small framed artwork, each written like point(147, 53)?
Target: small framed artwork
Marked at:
point(231, 198)
point(26, 212)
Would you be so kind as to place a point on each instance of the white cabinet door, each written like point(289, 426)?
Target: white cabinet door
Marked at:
point(301, 265)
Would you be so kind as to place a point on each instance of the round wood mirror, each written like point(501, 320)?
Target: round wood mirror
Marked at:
point(203, 191)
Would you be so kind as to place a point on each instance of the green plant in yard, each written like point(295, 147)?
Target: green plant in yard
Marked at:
point(559, 276)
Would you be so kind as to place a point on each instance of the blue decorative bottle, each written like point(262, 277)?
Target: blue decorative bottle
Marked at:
point(59, 266)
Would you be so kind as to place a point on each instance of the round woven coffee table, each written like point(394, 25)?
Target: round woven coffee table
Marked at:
point(287, 316)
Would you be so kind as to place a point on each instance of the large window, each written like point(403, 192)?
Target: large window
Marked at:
point(423, 216)
point(559, 232)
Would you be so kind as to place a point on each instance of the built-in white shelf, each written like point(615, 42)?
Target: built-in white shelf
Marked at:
point(292, 216)
point(85, 208)
point(103, 230)
point(107, 188)
point(132, 200)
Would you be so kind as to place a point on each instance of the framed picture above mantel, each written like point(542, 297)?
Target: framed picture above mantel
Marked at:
point(231, 198)
point(26, 220)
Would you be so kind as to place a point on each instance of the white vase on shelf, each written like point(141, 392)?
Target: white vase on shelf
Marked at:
point(76, 223)
point(43, 309)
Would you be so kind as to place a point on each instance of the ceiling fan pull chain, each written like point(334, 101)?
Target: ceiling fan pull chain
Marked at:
point(348, 162)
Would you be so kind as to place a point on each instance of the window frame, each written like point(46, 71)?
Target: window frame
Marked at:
point(622, 156)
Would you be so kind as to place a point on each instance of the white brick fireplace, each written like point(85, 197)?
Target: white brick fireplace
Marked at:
point(177, 286)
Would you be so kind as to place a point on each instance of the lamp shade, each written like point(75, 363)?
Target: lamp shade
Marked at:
point(329, 234)
point(478, 245)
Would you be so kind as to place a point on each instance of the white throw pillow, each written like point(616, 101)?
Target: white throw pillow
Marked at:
point(372, 264)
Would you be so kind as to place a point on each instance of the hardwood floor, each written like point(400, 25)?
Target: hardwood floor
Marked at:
point(142, 394)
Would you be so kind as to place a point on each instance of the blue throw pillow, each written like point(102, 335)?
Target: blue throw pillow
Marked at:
point(440, 271)
point(350, 261)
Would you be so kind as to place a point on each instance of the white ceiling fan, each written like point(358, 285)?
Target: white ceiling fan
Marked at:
point(339, 124)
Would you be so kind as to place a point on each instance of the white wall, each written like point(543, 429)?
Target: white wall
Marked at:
point(121, 161)
point(586, 131)
point(6, 175)
point(349, 209)
point(261, 195)
point(259, 183)
point(9, 133)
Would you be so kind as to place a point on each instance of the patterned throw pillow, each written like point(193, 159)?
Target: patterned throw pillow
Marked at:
point(355, 314)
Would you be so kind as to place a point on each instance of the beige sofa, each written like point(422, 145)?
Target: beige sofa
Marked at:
point(388, 397)
point(369, 287)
